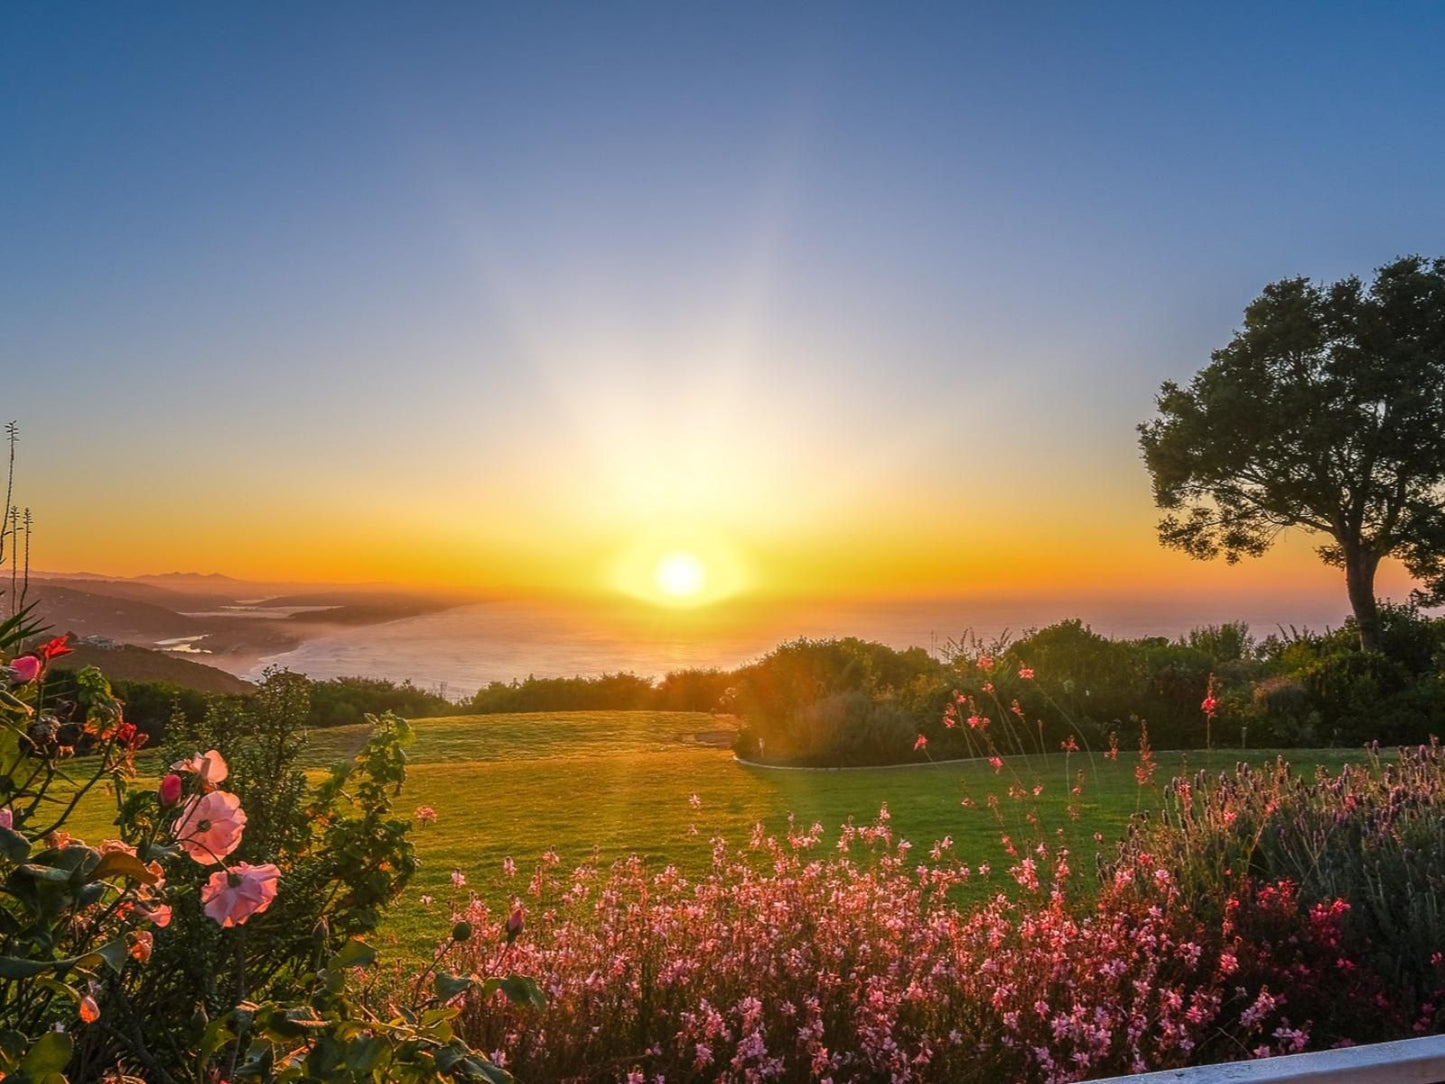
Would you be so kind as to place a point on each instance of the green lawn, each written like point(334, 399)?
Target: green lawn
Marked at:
point(517, 785)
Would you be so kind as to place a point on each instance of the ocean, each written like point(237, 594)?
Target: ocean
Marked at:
point(457, 651)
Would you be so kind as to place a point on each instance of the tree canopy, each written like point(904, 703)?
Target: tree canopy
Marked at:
point(1326, 411)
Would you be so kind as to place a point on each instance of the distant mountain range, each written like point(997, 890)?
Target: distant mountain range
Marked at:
point(213, 619)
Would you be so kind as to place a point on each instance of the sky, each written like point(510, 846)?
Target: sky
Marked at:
point(854, 300)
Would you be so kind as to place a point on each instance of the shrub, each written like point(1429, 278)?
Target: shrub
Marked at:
point(345, 701)
point(1372, 834)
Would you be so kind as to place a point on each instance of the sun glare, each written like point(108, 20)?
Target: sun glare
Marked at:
point(679, 570)
point(680, 576)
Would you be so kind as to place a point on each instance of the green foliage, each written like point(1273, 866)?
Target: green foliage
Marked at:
point(832, 702)
point(1325, 412)
point(342, 853)
point(607, 692)
point(333, 1035)
point(346, 700)
point(68, 911)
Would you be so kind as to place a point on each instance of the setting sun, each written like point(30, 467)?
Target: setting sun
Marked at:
point(680, 576)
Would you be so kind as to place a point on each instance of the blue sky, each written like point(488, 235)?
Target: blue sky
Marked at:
point(840, 288)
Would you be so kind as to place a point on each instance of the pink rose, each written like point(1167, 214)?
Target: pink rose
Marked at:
point(234, 895)
point(171, 786)
point(25, 669)
point(209, 767)
point(209, 827)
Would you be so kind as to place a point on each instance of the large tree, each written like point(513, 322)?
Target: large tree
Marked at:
point(1326, 411)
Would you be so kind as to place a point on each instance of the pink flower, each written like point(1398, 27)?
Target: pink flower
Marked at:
point(1026, 672)
point(209, 827)
point(996, 763)
point(7, 817)
point(209, 767)
point(1209, 706)
point(920, 743)
point(985, 662)
point(170, 789)
point(160, 916)
point(234, 895)
point(25, 669)
point(515, 921)
point(426, 814)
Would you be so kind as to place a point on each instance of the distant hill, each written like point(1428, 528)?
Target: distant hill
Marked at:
point(126, 662)
point(72, 608)
point(131, 590)
point(236, 623)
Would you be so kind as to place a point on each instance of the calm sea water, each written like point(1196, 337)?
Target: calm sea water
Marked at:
point(458, 651)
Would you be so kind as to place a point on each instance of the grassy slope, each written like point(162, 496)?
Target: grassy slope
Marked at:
point(130, 663)
point(517, 785)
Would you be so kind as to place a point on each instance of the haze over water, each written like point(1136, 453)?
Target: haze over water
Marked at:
point(465, 648)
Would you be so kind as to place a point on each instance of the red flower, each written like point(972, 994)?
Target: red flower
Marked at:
point(57, 647)
point(920, 743)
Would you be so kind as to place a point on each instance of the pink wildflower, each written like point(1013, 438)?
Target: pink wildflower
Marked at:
point(7, 818)
point(426, 814)
point(1026, 672)
point(234, 895)
point(920, 743)
point(210, 826)
point(209, 767)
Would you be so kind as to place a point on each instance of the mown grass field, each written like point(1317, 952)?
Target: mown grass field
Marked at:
point(518, 785)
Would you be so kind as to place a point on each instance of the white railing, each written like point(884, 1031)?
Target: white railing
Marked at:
point(1409, 1061)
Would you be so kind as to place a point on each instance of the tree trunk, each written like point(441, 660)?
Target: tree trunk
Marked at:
point(1360, 565)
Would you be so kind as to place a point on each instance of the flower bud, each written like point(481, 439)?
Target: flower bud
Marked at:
point(25, 669)
point(462, 931)
point(514, 923)
point(170, 792)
